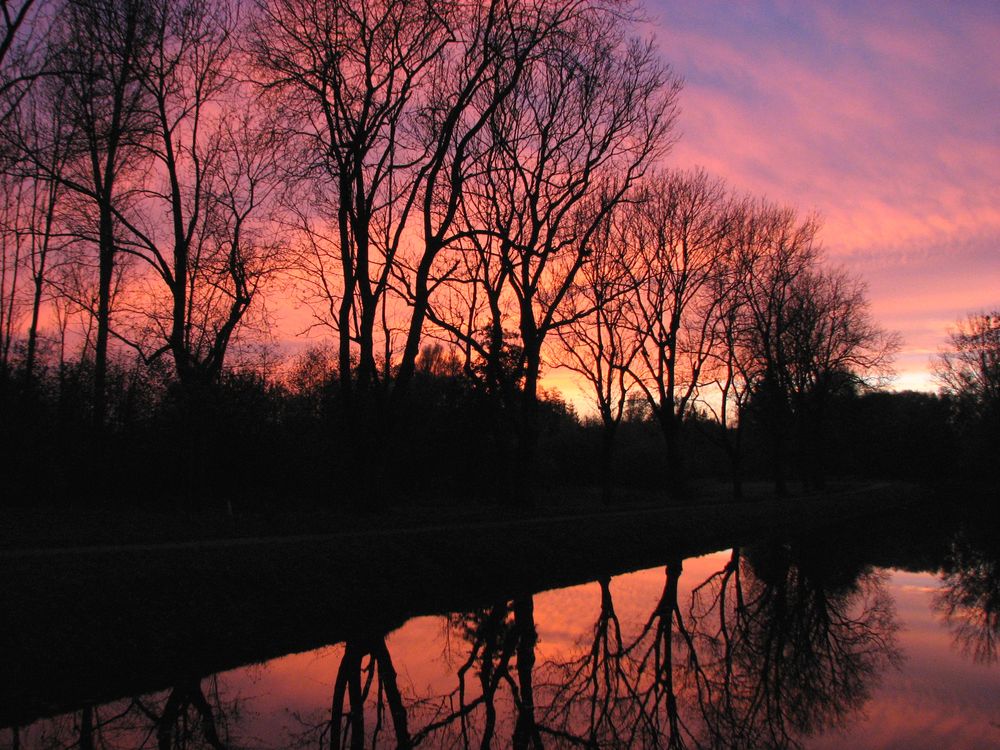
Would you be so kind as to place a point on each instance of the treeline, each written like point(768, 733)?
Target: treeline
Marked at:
point(476, 181)
point(263, 442)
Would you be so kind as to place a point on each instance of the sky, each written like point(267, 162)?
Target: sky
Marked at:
point(884, 118)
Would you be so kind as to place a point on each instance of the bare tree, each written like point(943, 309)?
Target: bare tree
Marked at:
point(731, 365)
point(13, 246)
point(796, 333)
point(23, 24)
point(580, 128)
point(38, 202)
point(26, 237)
point(195, 224)
point(396, 105)
point(969, 368)
point(597, 343)
point(98, 48)
point(774, 249)
point(28, 233)
point(349, 79)
point(680, 228)
point(14, 16)
point(833, 345)
point(483, 80)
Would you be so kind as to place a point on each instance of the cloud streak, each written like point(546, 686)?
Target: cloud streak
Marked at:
point(884, 118)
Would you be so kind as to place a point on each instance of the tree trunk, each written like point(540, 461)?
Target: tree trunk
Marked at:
point(669, 425)
point(527, 438)
point(732, 448)
point(387, 677)
point(665, 611)
point(526, 732)
point(87, 728)
point(421, 299)
point(36, 299)
point(778, 463)
point(105, 276)
point(608, 434)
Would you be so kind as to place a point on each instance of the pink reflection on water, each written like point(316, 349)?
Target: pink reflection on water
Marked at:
point(934, 698)
point(939, 698)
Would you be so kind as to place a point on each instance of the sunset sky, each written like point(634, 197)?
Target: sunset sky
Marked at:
point(882, 117)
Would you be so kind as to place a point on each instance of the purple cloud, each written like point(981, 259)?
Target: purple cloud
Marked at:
point(885, 118)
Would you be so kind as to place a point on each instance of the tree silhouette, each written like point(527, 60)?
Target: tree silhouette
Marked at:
point(969, 600)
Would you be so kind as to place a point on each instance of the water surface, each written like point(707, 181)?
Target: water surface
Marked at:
point(782, 643)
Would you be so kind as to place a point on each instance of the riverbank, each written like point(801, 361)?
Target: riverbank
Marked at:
point(54, 527)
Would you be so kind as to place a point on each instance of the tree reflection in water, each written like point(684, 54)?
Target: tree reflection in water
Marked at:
point(594, 685)
point(774, 647)
point(970, 597)
point(501, 640)
point(193, 715)
point(792, 644)
point(783, 642)
point(620, 692)
point(353, 688)
point(494, 690)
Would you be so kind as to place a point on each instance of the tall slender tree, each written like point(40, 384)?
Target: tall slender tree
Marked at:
point(99, 48)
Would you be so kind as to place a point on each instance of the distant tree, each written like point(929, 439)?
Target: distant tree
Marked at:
point(774, 248)
point(968, 372)
point(969, 368)
point(833, 345)
point(916, 437)
point(800, 333)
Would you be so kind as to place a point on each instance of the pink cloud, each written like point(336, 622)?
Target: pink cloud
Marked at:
point(881, 118)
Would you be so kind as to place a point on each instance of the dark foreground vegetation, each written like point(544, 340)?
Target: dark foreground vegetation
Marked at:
point(266, 445)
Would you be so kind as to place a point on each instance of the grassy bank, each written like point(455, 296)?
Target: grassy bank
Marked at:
point(67, 527)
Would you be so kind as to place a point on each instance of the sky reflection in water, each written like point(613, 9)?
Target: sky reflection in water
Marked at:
point(816, 657)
